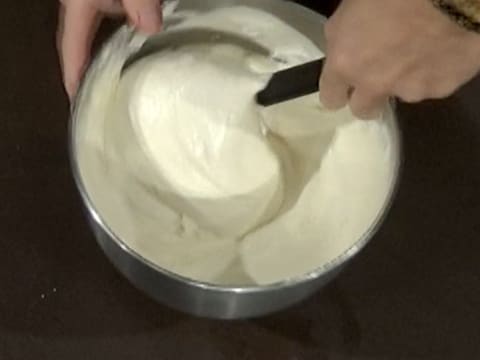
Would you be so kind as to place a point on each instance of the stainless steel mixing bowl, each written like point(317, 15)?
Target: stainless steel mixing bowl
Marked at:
point(220, 301)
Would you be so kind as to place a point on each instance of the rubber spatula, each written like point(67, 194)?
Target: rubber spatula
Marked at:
point(291, 83)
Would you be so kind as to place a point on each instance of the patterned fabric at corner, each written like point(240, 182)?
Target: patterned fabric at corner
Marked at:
point(465, 13)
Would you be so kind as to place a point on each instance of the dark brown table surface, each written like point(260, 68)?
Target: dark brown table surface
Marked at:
point(414, 293)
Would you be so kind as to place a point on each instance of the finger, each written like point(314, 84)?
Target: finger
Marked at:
point(81, 21)
point(146, 15)
point(366, 104)
point(111, 7)
point(334, 91)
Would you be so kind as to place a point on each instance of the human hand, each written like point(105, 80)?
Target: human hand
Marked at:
point(409, 49)
point(79, 21)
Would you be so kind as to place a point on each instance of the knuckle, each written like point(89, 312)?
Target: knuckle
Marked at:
point(328, 29)
point(341, 62)
point(378, 84)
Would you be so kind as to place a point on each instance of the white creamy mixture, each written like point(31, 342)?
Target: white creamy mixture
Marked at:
point(190, 173)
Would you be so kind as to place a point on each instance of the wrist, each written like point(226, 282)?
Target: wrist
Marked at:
point(465, 13)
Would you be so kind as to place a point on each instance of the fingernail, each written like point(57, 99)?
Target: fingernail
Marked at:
point(150, 19)
point(374, 115)
point(371, 114)
point(72, 82)
point(70, 88)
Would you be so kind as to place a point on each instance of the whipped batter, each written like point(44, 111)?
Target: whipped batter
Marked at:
point(190, 173)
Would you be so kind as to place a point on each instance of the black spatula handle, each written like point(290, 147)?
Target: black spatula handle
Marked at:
point(291, 83)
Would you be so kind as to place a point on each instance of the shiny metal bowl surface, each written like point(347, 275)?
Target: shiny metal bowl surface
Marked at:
point(209, 300)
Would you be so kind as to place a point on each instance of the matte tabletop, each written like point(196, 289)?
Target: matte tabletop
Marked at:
point(414, 293)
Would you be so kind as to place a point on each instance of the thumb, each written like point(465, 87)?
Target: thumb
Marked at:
point(77, 25)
